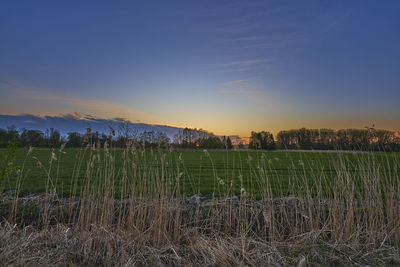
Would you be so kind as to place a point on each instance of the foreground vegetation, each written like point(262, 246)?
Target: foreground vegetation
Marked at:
point(97, 206)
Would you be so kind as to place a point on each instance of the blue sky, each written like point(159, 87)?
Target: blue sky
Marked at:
point(226, 66)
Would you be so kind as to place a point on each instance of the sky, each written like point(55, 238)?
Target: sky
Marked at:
point(230, 67)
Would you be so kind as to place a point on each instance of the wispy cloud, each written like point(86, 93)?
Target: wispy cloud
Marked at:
point(243, 62)
point(5, 84)
point(230, 83)
point(243, 92)
point(249, 38)
point(74, 115)
point(40, 102)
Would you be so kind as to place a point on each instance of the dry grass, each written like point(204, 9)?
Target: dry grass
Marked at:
point(353, 219)
point(60, 245)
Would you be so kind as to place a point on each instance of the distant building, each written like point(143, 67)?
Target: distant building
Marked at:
point(237, 140)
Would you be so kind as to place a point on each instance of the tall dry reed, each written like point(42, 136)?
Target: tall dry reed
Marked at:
point(146, 197)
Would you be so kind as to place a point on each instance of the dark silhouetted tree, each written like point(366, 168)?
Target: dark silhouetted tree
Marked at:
point(262, 140)
point(229, 143)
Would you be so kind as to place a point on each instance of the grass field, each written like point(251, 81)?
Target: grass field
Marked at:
point(201, 172)
point(131, 207)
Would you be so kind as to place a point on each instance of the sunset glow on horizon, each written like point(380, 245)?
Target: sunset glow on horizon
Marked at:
point(229, 67)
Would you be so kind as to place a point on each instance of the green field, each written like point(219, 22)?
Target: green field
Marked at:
point(220, 173)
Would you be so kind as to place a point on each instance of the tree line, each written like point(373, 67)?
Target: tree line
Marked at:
point(188, 138)
point(51, 138)
point(199, 138)
point(368, 138)
point(121, 138)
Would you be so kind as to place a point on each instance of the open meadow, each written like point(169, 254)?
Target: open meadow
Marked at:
point(207, 173)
